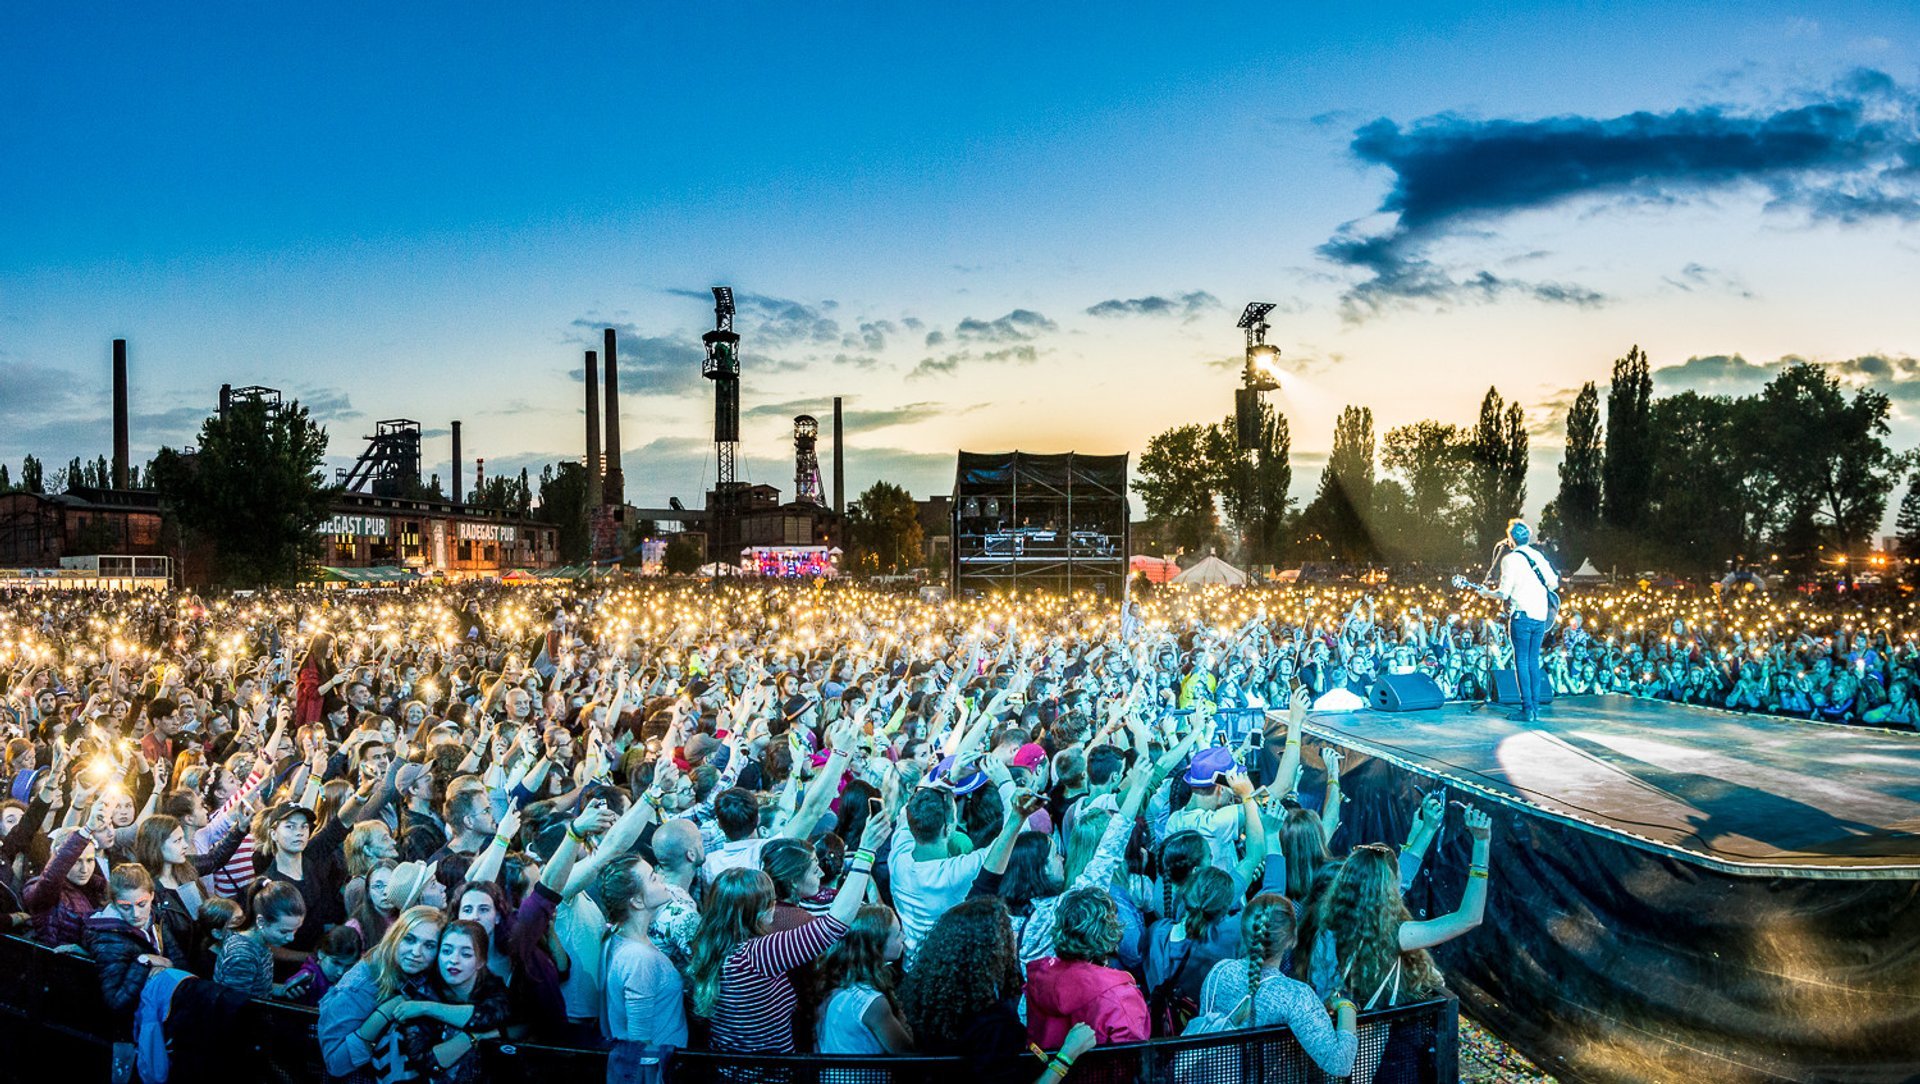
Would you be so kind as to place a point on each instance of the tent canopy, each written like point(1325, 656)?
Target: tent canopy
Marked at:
point(1212, 569)
point(1156, 569)
point(1586, 573)
point(378, 574)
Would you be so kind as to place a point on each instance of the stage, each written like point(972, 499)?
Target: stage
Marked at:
point(1678, 893)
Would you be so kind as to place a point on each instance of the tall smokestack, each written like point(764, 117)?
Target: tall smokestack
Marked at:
point(839, 464)
point(456, 462)
point(615, 489)
point(119, 413)
point(594, 492)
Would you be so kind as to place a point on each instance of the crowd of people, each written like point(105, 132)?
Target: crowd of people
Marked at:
point(762, 819)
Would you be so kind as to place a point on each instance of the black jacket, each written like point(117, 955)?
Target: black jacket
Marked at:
point(116, 948)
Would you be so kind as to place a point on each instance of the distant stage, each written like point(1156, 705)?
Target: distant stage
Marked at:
point(1678, 893)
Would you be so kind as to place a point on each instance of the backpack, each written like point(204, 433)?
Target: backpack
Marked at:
point(1168, 1008)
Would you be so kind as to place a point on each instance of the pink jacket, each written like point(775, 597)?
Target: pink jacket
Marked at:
point(1062, 993)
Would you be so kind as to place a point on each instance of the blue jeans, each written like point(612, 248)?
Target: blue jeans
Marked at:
point(1529, 641)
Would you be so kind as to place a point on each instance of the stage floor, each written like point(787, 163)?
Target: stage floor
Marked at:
point(1742, 793)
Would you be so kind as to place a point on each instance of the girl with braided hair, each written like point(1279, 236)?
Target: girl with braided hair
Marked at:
point(1255, 991)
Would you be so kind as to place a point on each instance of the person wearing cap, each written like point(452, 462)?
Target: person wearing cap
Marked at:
point(1221, 805)
point(421, 831)
point(926, 878)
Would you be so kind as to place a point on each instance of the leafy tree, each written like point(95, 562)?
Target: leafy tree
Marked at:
point(1255, 482)
point(503, 494)
point(1581, 467)
point(684, 554)
point(1336, 521)
point(6, 480)
point(32, 476)
point(255, 492)
point(1906, 524)
point(1497, 470)
point(883, 530)
point(1699, 517)
point(1827, 456)
point(1420, 514)
point(1626, 471)
point(563, 503)
point(1178, 482)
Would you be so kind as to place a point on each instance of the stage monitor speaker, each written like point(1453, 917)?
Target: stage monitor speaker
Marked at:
point(1506, 688)
point(1405, 692)
point(970, 507)
point(993, 507)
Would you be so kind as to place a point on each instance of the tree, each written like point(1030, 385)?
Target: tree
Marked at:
point(1578, 503)
point(1699, 517)
point(1827, 456)
point(684, 554)
point(883, 530)
point(6, 480)
point(1906, 525)
point(255, 492)
point(503, 494)
point(1626, 471)
point(1178, 483)
point(1497, 469)
point(563, 503)
point(1430, 459)
point(1337, 520)
point(1255, 482)
point(32, 476)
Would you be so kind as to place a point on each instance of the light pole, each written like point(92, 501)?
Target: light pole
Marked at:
point(1256, 376)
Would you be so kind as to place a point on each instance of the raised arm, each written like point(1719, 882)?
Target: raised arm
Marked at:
point(1473, 902)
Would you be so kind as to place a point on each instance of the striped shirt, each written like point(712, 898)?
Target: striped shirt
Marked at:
point(233, 879)
point(754, 1012)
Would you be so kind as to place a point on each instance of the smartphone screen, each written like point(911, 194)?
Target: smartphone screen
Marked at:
point(875, 806)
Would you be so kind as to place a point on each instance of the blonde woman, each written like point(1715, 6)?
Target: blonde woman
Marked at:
point(358, 1014)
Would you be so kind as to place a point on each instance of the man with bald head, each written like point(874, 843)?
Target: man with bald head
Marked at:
point(677, 854)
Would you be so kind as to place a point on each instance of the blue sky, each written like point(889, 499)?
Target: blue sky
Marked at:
point(427, 210)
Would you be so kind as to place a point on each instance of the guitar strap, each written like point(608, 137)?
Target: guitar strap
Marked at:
point(1537, 574)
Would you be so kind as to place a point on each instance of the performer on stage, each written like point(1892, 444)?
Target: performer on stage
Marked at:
point(1527, 582)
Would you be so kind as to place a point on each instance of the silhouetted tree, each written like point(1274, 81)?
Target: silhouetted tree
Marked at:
point(1337, 518)
point(1498, 469)
point(1178, 482)
point(563, 503)
point(1254, 483)
point(883, 530)
point(1577, 506)
point(1627, 468)
point(255, 492)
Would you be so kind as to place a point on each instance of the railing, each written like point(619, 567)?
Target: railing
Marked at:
point(50, 1003)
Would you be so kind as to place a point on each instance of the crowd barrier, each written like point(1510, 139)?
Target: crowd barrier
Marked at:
point(50, 1004)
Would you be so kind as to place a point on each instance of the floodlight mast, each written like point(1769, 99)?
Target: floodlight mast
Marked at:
point(722, 366)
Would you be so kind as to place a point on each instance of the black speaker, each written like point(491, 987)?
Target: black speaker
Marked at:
point(1405, 692)
point(1506, 688)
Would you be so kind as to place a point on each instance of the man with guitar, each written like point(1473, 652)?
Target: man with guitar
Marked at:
point(1530, 587)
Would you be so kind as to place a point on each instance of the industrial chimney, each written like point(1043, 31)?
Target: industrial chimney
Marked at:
point(119, 413)
point(614, 492)
point(594, 493)
point(456, 462)
point(839, 464)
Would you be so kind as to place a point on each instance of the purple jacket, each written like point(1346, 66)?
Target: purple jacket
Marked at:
point(60, 908)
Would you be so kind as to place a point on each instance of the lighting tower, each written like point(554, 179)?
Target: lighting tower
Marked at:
point(806, 465)
point(722, 366)
point(1257, 376)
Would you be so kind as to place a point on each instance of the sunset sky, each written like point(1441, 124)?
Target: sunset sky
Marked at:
point(987, 225)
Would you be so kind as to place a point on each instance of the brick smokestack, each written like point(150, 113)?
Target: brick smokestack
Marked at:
point(614, 491)
point(119, 413)
point(456, 462)
point(839, 464)
point(594, 493)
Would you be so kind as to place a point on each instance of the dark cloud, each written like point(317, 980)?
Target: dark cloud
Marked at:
point(936, 337)
point(1182, 305)
point(1897, 375)
point(947, 364)
point(1848, 153)
point(859, 419)
point(871, 336)
point(660, 364)
point(775, 322)
point(327, 404)
point(1020, 325)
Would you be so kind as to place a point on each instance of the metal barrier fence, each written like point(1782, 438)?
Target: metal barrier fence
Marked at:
point(50, 1004)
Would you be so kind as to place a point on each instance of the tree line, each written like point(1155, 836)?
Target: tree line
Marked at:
point(1797, 474)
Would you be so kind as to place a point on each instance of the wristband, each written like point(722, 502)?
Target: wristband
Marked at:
point(500, 842)
point(863, 853)
point(1477, 872)
point(575, 833)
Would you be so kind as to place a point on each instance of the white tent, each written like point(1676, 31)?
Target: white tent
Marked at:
point(1211, 569)
point(1586, 573)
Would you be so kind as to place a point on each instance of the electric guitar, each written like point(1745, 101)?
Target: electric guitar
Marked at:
point(1481, 589)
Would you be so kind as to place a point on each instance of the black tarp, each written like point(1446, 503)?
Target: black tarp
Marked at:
point(1607, 956)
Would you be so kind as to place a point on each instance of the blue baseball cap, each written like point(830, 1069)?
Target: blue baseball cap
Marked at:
point(966, 785)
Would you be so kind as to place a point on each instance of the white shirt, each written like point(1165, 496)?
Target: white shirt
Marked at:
point(734, 854)
point(1519, 586)
point(923, 891)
